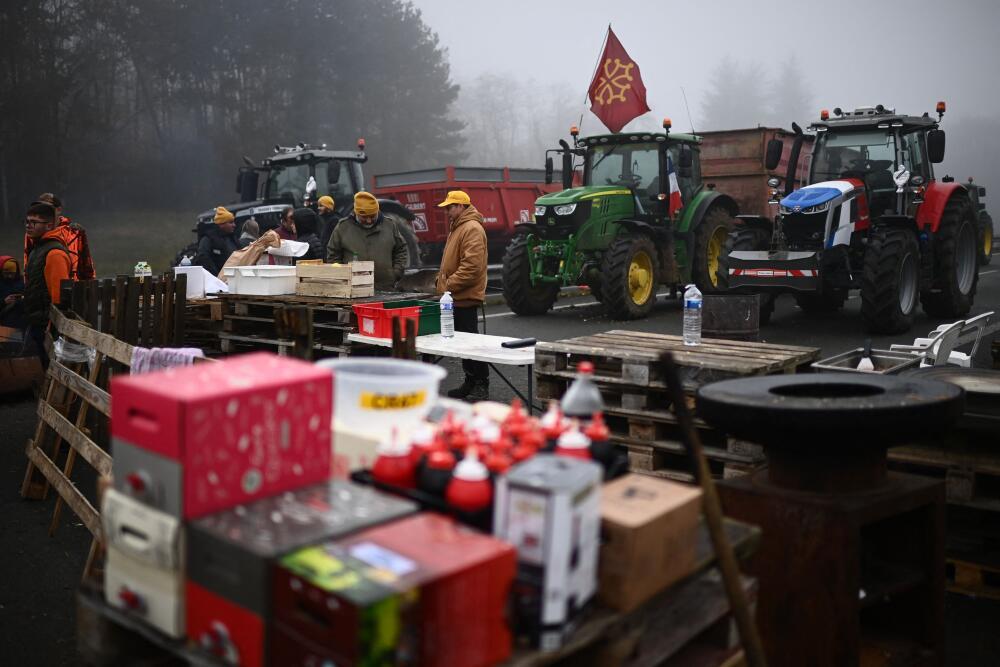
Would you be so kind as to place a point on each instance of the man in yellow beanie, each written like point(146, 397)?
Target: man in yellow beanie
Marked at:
point(327, 219)
point(463, 273)
point(218, 243)
point(367, 235)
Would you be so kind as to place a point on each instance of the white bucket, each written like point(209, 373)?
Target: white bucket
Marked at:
point(373, 395)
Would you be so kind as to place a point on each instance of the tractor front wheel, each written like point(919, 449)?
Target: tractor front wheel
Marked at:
point(956, 262)
point(709, 246)
point(631, 275)
point(521, 296)
point(891, 281)
point(986, 238)
point(746, 238)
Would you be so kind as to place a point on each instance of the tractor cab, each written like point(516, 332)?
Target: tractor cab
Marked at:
point(890, 154)
point(635, 169)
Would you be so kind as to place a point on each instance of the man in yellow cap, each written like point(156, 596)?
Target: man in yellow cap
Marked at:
point(218, 243)
point(367, 235)
point(463, 273)
point(327, 219)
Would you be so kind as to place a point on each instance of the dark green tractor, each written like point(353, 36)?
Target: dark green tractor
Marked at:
point(624, 232)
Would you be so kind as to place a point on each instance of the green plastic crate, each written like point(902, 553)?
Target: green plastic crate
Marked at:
point(430, 314)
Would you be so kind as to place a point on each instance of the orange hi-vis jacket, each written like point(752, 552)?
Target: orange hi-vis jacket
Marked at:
point(74, 237)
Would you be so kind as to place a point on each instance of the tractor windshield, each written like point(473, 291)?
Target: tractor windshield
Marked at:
point(869, 156)
point(630, 165)
point(288, 182)
point(336, 178)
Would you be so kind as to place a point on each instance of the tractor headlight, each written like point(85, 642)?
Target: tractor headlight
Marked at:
point(539, 211)
point(565, 209)
point(819, 208)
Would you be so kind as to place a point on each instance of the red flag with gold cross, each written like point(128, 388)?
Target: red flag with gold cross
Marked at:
point(617, 94)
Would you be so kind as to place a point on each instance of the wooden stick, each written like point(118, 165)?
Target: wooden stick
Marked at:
point(81, 422)
point(713, 517)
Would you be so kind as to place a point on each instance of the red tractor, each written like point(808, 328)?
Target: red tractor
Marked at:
point(872, 218)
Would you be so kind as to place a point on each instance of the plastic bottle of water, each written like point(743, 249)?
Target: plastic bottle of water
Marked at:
point(447, 315)
point(692, 315)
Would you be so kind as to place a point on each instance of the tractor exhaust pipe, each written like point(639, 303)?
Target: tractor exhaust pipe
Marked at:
point(793, 158)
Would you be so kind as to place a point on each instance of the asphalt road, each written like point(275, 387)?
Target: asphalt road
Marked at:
point(39, 574)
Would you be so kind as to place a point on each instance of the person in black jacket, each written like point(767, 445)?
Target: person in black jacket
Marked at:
point(218, 243)
point(328, 220)
point(305, 224)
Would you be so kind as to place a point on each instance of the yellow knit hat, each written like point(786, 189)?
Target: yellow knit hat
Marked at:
point(365, 204)
point(10, 265)
point(222, 216)
point(327, 201)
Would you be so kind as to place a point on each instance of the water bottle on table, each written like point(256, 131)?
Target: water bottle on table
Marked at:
point(447, 315)
point(692, 315)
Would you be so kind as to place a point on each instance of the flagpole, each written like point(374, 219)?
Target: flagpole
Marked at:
point(598, 63)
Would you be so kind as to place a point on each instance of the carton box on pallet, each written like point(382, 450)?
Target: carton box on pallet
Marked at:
point(422, 590)
point(231, 555)
point(199, 439)
point(649, 530)
point(144, 572)
point(549, 508)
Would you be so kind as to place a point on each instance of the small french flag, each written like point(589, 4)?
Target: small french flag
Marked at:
point(675, 203)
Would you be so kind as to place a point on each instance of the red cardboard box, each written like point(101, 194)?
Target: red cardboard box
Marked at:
point(422, 590)
point(239, 429)
point(238, 641)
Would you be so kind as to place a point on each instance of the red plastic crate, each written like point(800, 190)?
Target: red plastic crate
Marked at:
point(375, 320)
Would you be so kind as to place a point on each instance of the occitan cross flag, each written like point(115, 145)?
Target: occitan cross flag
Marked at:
point(617, 94)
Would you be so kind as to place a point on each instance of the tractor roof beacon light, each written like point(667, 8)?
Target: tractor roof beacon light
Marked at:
point(574, 131)
point(941, 108)
point(667, 125)
point(361, 143)
point(824, 114)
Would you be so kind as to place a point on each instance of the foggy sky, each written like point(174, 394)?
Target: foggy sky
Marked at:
point(903, 54)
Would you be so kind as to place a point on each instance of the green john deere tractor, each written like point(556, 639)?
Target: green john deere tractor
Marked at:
point(620, 233)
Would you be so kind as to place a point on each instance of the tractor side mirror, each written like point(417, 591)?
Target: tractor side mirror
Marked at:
point(935, 146)
point(773, 155)
point(246, 184)
point(567, 170)
point(548, 170)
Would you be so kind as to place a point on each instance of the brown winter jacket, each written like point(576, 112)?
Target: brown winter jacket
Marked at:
point(463, 264)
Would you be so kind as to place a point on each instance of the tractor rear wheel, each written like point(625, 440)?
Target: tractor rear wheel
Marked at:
point(709, 246)
point(746, 238)
point(631, 274)
point(891, 281)
point(410, 236)
point(521, 296)
point(986, 238)
point(956, 262)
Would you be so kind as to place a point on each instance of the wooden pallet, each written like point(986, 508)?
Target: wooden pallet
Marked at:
point(248, 321)
point(348, 281)
point(631, 358)
point(975, 579)
point(971, 475)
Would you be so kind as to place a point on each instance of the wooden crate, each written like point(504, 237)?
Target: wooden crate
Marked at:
point(971, 474)
point(347, 281)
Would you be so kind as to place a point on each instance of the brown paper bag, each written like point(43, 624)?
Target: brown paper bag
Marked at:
point(250, 255)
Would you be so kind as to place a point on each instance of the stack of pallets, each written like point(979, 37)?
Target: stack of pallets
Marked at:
point(248, 321)
point(638, 412)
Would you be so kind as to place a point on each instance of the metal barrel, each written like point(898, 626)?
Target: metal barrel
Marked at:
point(731, 316)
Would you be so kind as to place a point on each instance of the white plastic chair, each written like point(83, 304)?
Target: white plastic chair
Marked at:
point(936, 350)
point(977, 324)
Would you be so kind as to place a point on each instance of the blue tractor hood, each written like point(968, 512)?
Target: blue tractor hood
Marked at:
point(810, 197)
